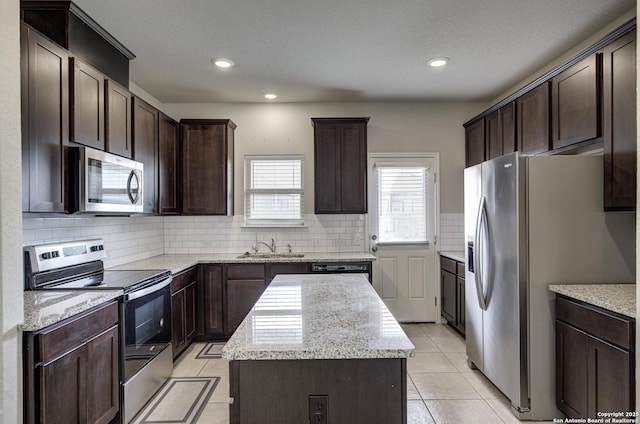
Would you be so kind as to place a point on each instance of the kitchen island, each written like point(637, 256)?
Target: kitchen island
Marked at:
point(315, 347)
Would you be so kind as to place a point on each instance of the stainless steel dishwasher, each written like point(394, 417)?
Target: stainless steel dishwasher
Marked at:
point(342, 268)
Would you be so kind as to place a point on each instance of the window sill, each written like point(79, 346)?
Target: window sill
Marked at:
point(274, 225)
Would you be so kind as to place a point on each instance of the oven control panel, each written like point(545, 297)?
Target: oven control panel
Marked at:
point(56, 255)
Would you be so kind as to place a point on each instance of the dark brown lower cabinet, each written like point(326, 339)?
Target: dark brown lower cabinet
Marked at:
point(452, 295)
point(224, 294)
point(285, 268)
point(71, 372)
point(183, 309)
point(211, 315)
point(449, 304)
point(63, 398)
point(571, 370)
point(190, 311)
point(245, 284)
point(460, 304)
point(241, 296)
point(595, 360)
point(178, 337)
point(103, 398)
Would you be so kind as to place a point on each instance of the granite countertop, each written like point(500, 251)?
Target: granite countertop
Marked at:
point(44, 308)
point(620, 298)
point(178, 263)
point(456, 255)
point(318, 317)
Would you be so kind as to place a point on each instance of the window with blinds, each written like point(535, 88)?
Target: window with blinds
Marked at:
point(402, 204)
point(274, 190)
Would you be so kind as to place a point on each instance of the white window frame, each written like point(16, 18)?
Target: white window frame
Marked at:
point(272, 222)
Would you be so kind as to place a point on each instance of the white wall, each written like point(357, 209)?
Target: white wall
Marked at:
point(569, 54)
point(279, 128)
point(11, 302)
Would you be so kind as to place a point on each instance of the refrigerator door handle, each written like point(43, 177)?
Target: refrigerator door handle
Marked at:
point(486, 247)
point(478, 253)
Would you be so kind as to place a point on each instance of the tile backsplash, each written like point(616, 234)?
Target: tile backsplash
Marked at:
point(133, 238)
point(214, 234)
point(451, 232)
point(126, 238)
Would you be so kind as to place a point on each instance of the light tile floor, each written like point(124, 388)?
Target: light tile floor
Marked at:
point(441, 388)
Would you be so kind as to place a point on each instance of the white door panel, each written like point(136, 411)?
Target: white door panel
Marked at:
point(402, 223)
point(417, 273)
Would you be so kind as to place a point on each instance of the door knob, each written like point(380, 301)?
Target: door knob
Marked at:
point(374, 249)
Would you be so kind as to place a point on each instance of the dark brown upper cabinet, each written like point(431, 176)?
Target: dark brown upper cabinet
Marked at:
point(86, 98)
point(493, 145)
point(70, 27)
point(45, 121)
point(145, 150)
point(507, 128)
point(474, 143)
point(499, 134)
point(532, 112)
point(340, 165)
point(207, 166)
point(619, 124)
point(576, 103)
point(117, 119)
point(168, 166)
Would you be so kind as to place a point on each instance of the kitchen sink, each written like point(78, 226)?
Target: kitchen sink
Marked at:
point(248, 255)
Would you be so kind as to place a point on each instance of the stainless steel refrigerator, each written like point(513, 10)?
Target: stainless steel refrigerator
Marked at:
point(530, 222)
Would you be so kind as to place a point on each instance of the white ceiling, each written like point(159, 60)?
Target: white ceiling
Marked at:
point(344, 50)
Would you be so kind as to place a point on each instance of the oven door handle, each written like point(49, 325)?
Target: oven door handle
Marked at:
point(147, 290)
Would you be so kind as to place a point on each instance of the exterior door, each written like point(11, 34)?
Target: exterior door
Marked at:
point(402, 223)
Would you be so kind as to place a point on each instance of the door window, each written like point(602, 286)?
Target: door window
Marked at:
point(403, 193)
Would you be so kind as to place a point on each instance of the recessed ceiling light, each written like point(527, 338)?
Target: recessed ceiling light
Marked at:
point(270, 96)
point(221, 62)
point(438, 62)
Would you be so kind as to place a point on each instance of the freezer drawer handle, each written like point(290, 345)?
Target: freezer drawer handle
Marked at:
point(478, 253)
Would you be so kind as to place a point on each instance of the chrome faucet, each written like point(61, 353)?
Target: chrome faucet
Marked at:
point(271, 247)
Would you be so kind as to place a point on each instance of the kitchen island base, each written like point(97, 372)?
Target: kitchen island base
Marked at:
point(357, 390)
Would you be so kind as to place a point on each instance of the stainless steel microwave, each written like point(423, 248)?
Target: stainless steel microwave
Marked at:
point(100, 182)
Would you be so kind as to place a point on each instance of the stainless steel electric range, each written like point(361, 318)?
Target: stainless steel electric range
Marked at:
point(146, 359)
